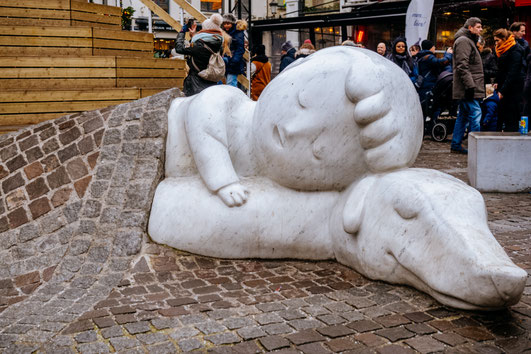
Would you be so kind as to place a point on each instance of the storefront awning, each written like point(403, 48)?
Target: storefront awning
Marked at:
point(523, 3)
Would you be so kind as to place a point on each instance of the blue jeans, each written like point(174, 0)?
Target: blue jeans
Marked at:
point(469, 112)
point(232, 80)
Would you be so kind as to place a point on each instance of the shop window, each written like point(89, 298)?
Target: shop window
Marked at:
point(319, 6)
point(210, 5)
point(164, 4)
point(327, 37)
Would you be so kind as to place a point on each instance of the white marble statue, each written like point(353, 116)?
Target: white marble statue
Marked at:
point(318, 169)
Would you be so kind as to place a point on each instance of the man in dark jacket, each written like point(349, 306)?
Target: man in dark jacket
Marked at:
point(234, 64)
point(518, 29)
point(468, 85)
point(288, 55)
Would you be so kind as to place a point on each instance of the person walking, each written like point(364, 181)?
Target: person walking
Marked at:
point(518, 30)
point(430, 67)
point(288, 55)
point(490, 65)
point(260, 71)
point(235, 63)
point(400, 56)
point(468, 85)
point(203, 43)
point(305, 49)
point(509, 80)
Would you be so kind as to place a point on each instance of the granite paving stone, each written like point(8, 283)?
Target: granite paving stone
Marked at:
point(335, 331)
point(162, 348)
point(395, 333)
point(93, 348)
point(425, 344)
point(121, 343)
point(313, 348)
point(223, 338)
point(274, 342)
point(253, 332)
point(305, 336)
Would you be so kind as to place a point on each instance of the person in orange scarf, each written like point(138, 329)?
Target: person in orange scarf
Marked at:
point(260, 70)
point(509, 80)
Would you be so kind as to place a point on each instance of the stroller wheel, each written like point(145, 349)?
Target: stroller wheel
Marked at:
point(438, 132)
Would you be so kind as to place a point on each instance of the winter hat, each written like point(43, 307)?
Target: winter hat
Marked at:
point(229, 18)
point(286, 46)
point(426, 44)
point(213, 22)
point(398, 40)
point(307, 41)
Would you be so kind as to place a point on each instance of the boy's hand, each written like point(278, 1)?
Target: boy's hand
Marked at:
point(234, 194)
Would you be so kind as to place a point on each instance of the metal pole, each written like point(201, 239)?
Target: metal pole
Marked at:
point(249, 31)
point(239, 9)
point(150, 22)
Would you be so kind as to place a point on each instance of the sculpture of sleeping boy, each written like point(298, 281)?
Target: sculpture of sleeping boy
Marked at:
point(318, 132)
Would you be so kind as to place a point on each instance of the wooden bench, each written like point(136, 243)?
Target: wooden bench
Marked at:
point(73, 41)
point(58, 13)
point(55, 73)
point(34, 89)
point(21, 108)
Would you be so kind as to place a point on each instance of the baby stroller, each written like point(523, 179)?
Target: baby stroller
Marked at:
point(439, 109)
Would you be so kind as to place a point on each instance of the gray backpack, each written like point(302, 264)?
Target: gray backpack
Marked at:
point(215, 70)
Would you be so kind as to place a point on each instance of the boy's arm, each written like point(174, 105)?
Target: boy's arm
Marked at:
point(207, 136)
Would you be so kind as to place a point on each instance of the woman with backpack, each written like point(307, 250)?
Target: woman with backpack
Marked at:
point(204, 44)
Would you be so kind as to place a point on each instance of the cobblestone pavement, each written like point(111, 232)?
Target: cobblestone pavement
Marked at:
point(172, 301)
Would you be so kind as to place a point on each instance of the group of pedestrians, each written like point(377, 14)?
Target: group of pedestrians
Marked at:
point(507, 73)
point(207, 39)
point(471, 63)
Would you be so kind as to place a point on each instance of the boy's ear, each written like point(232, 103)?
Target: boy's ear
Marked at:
point(354, 208)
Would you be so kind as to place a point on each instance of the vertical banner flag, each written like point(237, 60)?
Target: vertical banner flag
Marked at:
point(418, 18)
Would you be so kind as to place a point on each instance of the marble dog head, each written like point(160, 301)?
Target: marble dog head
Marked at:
point(429, 230)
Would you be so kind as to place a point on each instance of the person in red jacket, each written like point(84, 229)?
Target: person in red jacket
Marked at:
point(261, 71)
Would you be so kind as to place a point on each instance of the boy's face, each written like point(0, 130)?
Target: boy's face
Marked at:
point(227, 26)
point(304, 133)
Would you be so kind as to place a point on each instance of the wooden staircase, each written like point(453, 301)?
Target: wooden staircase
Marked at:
point(65, 56)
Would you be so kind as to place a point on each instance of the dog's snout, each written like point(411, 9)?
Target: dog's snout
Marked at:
point(510, 283)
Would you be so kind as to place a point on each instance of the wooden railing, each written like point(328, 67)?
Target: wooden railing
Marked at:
point(58, 13)
point(73, 41)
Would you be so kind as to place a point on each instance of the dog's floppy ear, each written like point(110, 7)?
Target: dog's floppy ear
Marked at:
point(355, 205)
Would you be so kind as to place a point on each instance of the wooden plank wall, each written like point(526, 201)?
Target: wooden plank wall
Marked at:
point(58, 13)
point(37, 89)
point(73, 41)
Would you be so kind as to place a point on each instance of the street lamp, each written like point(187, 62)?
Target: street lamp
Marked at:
point(274, 6)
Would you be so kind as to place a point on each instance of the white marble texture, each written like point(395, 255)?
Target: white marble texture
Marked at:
point(318, 169)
